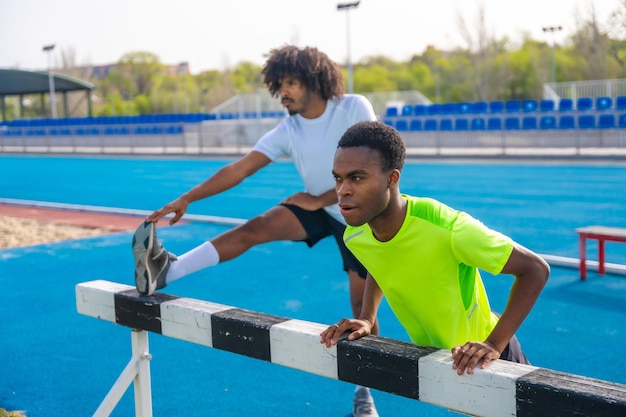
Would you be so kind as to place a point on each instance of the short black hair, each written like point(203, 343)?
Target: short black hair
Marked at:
point(311, 67)
point(380, 137)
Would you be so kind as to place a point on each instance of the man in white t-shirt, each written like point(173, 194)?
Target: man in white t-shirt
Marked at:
point(311, 88)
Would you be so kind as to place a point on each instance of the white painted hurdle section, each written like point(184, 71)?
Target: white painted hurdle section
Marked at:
point(422, 373)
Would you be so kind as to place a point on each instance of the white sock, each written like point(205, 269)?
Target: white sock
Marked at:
point(196, 259)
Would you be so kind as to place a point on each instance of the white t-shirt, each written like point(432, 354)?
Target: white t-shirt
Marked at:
point(311, 143)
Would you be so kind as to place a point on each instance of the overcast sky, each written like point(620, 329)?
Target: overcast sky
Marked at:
point(213, 34)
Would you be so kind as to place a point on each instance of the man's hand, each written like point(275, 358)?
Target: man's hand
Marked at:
point(178, 207)
point(304, 200)
point(468, 355)
point(359, 328)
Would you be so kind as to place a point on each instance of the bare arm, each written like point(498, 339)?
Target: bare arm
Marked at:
point(224, 179)
point(531, 274)
point(362, 326)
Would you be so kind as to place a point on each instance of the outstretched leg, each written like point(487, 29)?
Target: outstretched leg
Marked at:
point(278, 223)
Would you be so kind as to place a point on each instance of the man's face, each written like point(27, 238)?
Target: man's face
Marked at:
point(362, 187)
point(294, 95)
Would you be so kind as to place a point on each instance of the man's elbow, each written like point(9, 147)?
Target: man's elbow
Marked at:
point(542, 270)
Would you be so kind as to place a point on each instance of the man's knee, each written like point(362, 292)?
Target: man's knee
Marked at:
point(255, 230)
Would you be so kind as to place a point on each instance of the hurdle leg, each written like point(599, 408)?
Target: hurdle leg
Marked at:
point(143, 389)
point(601, 256)
point(137, 371)
point(582, 250)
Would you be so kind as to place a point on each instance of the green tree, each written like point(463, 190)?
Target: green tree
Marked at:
point(247, 77)
point(140, 68)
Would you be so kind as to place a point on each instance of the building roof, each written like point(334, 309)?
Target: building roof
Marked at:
point(17, 82)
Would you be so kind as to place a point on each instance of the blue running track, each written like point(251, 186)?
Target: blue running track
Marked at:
point(57, 362)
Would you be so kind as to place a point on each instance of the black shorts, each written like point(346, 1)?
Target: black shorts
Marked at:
point(319, 224)
point(513, 352)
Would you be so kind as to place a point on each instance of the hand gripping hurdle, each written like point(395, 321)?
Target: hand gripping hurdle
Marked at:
point(421, 373)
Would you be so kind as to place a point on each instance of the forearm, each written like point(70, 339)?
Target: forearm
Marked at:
point(372, 297)
point(224, 179)
point(524, 294)
point(227, 177)
point(328, 198)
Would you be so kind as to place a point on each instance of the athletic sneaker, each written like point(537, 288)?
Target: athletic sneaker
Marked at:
point(151, 260)
point(364, 404)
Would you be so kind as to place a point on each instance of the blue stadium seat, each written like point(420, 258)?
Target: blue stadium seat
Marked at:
point(175, 130)
point(420, 110)
point(496, 107)
point(494, 123)
point(529, 105)
point(388, 122)
point(465, 108)
point(407, 110)
point(621, 121)
point(604, 103)
point(430, 124)
point(606, 121)
point(391, 112)
point(445, 124)
point(547, 122)
point(415, 125)
point(567, 122)
point(511, 123)
point(586, 122)
point(584, 104)
point(435, 109)
point(480, 107)
point(461, 123)
point(620, 103)
point(529, 123)
point(512, 106)
point(402, 125)
point(478, 123)
point(566, 104)
point(449, 108)
point(546, 105)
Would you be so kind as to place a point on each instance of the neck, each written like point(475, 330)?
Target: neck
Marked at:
point(315, 108)
point(387, 224)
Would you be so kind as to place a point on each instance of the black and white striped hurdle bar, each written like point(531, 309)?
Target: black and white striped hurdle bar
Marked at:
point(421, 373)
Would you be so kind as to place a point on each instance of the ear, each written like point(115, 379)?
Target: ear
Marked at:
point(394, 178)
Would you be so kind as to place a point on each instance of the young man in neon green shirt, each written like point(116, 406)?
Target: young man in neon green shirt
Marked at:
point(425, 258)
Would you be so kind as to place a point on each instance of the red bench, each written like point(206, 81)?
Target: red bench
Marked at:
point(601, 234)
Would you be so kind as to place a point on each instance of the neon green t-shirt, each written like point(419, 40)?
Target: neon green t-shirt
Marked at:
point(429, 272)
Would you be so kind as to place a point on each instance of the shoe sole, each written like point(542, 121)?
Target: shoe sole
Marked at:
point(143, 243)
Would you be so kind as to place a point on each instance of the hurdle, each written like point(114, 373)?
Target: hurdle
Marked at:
point(400, 368)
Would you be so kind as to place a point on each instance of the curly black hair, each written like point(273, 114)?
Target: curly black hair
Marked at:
point(314, 69)
point(380, 137)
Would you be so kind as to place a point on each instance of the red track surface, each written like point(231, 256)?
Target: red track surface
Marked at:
point(113, 222)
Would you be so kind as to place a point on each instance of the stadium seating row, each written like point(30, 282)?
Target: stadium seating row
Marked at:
point(93, 131)
point(510, 106)
point(585, 121)
point(142, 119)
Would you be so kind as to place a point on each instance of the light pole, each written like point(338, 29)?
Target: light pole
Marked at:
point(347, 7)
point(183, 69)
point(53, 103)
point(552, 29)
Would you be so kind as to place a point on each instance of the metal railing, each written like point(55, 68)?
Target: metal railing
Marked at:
point(592, 89)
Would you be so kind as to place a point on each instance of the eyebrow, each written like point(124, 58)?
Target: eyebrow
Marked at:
point(352, 173)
